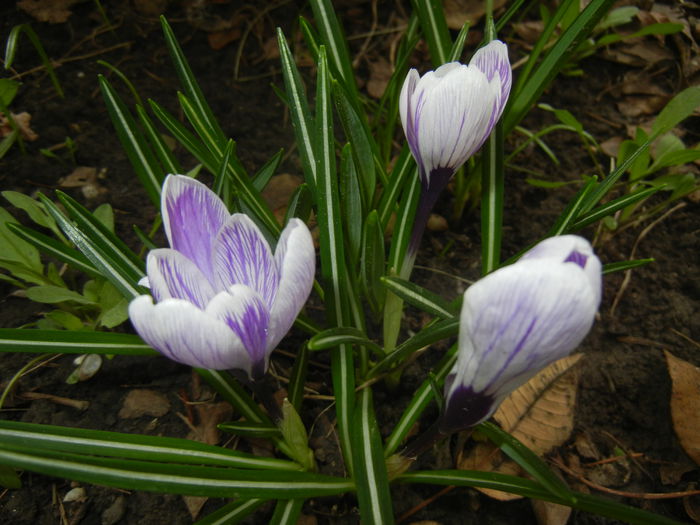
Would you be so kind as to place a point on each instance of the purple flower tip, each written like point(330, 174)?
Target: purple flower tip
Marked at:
point(577, 258)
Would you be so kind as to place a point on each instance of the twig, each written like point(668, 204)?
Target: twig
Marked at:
point(410, 512)
point(74, 403)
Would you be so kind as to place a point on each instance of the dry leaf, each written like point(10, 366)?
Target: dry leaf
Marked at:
point(548, 513)
point(279, 191)
point(210, 415)
point(540, 414)
point(22, 121)
point(51, 11)
point(685, 402)
point(141, 402)
point(638, 106)
point(457, 12)
point(194, 504)
point(379, 76)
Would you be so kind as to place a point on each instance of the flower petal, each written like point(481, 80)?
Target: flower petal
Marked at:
point(243, 256)
point(407, 110)
point(172, 275)
point(516, 321)
point(452, 116)
point(192, 215)
point(295, 258)
point(492, 60)
point(245, 313)
point(184, 333)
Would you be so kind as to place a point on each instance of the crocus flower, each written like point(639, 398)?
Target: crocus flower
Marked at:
point(517, 320)
point(447, 114)
point(223, 299)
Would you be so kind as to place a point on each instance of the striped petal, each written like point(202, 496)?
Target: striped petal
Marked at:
point(172, 275)
point(492, 60)
point(184, 333)
point(295, 258)
point(192, 216)
point(243, 256)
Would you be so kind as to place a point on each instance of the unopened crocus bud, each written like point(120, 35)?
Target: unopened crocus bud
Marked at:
point(447, 114)
point(223, 299)
point(517, 320)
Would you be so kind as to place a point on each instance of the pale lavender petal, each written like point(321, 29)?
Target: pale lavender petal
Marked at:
point(243, 256)
point(245, 313)
point(295, 258)
point(192, 216)
point(172, 275)
point(516, 321)
point(492, 60)
point(184, 333)
point(407, 110)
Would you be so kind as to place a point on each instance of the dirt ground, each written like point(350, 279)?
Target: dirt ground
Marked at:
point(624, 387)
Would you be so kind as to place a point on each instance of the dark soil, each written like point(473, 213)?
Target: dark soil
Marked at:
point(624, 387)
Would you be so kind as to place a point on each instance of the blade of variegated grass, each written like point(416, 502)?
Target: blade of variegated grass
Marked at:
point(573, 208)
point(222, 182)
point(370, 474)
point(109, 264)
point(52, 247)
point(557, 56)
point(297, 379)
point(332, 37)
point(165, 155)
point(333, 271)
point(611, 207)
point(25, 437)
point(532, 489)
point(192, 480)
point(419, 297)
point(190, 85)
point(287, 512)
point(262, 177)
point(423, 396)
point(232, 512)
point(434, 27)
point(72, 342)
point(625, 265)
point(302, 122)
point(404, 170)
point(142, 158)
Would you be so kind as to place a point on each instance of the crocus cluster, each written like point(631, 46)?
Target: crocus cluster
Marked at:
point(223, 299)
point(447, 114)
point(517, 320)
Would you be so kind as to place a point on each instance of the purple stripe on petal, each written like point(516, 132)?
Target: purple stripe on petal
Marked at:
point(192, 216)
point(465, 408)
point(243, 256)
point(245, 313)
point(172, 275)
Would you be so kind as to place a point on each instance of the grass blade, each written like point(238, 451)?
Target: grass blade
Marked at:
point(72, 342)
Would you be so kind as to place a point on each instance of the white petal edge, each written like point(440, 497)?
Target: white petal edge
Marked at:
point(296, 260)
point(184, 333)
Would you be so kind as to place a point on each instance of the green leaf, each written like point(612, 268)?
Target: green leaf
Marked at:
point(372, 482)
point(294, 434)
point(63, 342)
point(250, 430)
point(300, 205)
point(232, 512)
point(11, 51)
point(287, 512)
point(625, 265)
point(373, 262)
point(348, 335)
point(105, 214)
point(302, 122)
point(351, 204)
point(160, 147)
point(8, 90)
point(55, 294)
point(262, 177)
point(15, 249)
point(142, 158)
point(32, 207)
point(435, 31)
point(419, 297)
point(9, 478)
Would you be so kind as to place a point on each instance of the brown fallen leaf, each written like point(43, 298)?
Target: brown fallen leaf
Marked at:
point(22, 121)
point(279, 191)
point(540, 414)
point(51, 11)
point(142, 402)
point(379, 75)
point(685, 402)
point(548, 513)
point(457, 12)
point(634, 106)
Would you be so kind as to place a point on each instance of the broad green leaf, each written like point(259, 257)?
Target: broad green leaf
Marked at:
point(678, 109)
point(15, 249)
point(55, 294)
point(294, 434)
point(32, 207)
point(105, 214)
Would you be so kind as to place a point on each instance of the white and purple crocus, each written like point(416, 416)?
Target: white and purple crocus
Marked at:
point(447, 114)
point(517, 320)
point(223, 299)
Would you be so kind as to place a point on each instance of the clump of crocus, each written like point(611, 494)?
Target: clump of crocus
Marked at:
point(517, 320)
point(447, 114)
point(223, 299)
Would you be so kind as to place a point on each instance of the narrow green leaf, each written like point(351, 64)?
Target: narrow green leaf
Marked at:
point(232, 512)
point(165, 156)
point(458, 46)
point(419, 297)
point(351, 204)
point(370, 474)
point(297, 379)
point(492, 189)
point(404, 171)
point(26, 437)
point(573, 208)
point(142, 158)
point(234, 393)
point(373, 262)
point(300, 205)
point(287, 512)
point(250, 430)
point(434, 26)
point(611, 207)
point(71, 342)
point(11, 51)
point(190, 85)
point(625, 265)
point(262, 177)
point(9, 478)
point(295, 436)
point(302, 121)
point(334, 337)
